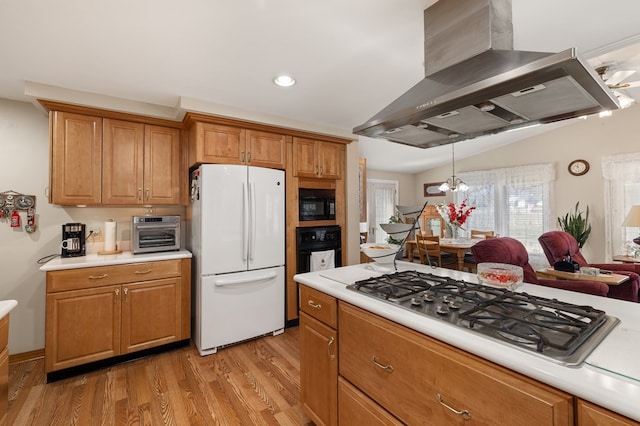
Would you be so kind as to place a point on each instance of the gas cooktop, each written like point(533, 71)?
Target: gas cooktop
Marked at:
point(561, 331)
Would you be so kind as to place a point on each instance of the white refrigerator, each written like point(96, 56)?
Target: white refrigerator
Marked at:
point(237, 237)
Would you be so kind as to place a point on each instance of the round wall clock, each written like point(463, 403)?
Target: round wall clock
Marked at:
point(578, 167)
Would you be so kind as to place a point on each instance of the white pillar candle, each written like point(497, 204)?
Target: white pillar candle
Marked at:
point(110, 235)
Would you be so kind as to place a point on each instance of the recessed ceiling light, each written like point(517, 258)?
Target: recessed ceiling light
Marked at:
point(284, 80)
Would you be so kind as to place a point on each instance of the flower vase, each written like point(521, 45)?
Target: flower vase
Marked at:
point(451, 231)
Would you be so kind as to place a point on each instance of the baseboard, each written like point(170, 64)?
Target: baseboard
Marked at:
point(26, 356)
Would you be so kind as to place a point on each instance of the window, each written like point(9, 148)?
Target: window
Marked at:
point(621, 191)
point(514, 202)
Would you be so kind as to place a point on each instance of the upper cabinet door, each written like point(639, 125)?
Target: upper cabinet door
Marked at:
point(304, 158)
point(212, 143)
point(265, 149)
point(76, 158)
point(317, 159)
point(330, 160)
point(161, 165)
point(122, 162)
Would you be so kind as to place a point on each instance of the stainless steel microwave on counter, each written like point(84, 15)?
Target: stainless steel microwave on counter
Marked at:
point(150, 234)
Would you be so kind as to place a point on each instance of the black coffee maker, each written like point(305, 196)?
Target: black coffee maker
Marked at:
point(73, 239)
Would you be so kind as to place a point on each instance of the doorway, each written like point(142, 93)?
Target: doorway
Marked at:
point(382, 197)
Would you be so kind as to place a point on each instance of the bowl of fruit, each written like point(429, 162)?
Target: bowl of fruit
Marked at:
point(499, 274)
point(380, 253)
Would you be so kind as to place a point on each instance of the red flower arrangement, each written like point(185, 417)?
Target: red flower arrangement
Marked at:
point(456, 215)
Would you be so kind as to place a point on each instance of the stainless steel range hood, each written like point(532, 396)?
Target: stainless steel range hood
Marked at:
point(476, 84)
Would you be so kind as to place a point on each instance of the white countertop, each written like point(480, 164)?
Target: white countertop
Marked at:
point(6, 306)
point(610, 376)
point(91, 260)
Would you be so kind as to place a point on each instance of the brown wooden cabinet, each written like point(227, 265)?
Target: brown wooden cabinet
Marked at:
point(356, 408)
point(589, 414)
point(317, 159)
point(140, 163)
point(220, 144)
point(318, 356)
point(437, 378)
point(75, 175)
point(4, 369)
point(101, 312)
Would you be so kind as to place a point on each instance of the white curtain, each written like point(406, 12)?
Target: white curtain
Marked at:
point(621, 190)
point(381, 201)
point(513, 201)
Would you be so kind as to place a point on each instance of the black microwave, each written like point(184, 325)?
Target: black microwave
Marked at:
point(317, 204)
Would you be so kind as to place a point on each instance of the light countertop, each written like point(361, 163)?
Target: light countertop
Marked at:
point(7, 306)
point(91, 260)
point(610, 376)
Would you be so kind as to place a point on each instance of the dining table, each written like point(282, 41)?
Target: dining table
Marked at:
point(458, 246)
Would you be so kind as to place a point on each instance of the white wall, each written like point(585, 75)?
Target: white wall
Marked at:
point(24, 144)
point(589, 139)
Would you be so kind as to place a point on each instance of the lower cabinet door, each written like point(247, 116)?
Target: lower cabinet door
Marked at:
point(82, 326)
point(594, 415)
point(318, 370)
point(151, 314)
point(357, 408)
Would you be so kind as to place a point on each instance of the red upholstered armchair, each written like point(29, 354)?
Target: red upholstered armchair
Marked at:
point(558, 244)
point(511, 251)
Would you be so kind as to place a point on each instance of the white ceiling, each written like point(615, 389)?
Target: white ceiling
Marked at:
point(350, 58)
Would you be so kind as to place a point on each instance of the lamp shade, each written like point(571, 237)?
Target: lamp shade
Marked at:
point(633, 217)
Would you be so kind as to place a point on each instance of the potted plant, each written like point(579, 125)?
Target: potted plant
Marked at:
point(575, 224)
point(396, 218)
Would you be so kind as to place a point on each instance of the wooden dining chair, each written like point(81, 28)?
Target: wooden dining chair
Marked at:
point(482, 234)
point(430, 245)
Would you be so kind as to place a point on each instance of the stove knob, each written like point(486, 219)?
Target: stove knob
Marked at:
point(416, 302)
point(442, 309)
point(429, 297)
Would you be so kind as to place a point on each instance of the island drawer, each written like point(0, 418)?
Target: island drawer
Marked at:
point(319, 305)
point(415, 378)
point(79, 278)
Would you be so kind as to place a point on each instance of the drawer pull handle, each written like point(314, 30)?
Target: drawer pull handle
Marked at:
point(142, 272)
point(388, 368)
point(331, 342)
point(314, 305)
point(464, 413)
point(98, 277)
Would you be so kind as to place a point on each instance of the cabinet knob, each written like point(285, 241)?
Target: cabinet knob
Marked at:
point(139, 194)
point(146, 271)
point(146, 194)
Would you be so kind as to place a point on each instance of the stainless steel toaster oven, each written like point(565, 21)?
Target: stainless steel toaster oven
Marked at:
point(151, 234)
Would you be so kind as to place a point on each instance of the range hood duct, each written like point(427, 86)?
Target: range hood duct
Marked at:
point(476, 84)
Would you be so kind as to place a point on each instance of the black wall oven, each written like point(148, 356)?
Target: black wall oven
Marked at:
point(317, 238)
point(316, 204)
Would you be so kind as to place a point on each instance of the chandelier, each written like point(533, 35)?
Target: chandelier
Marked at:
point(454, 183)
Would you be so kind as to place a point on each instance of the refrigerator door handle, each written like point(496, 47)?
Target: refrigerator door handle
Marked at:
point(252, 240)
point(246, 208)
point(221, 282)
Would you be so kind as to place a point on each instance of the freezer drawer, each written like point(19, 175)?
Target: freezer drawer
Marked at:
point(239, 306)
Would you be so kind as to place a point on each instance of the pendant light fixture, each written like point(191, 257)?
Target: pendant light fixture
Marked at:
point(454, 183)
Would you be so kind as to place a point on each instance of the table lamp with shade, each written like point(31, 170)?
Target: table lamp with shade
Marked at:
point(633, 220)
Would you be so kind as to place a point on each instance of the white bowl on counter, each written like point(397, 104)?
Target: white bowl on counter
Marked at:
point(380, 252)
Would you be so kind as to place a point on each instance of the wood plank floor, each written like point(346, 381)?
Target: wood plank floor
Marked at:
point(252, 383)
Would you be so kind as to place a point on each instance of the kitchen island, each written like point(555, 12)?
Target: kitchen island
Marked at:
point(609, 377)
point(103, 309)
